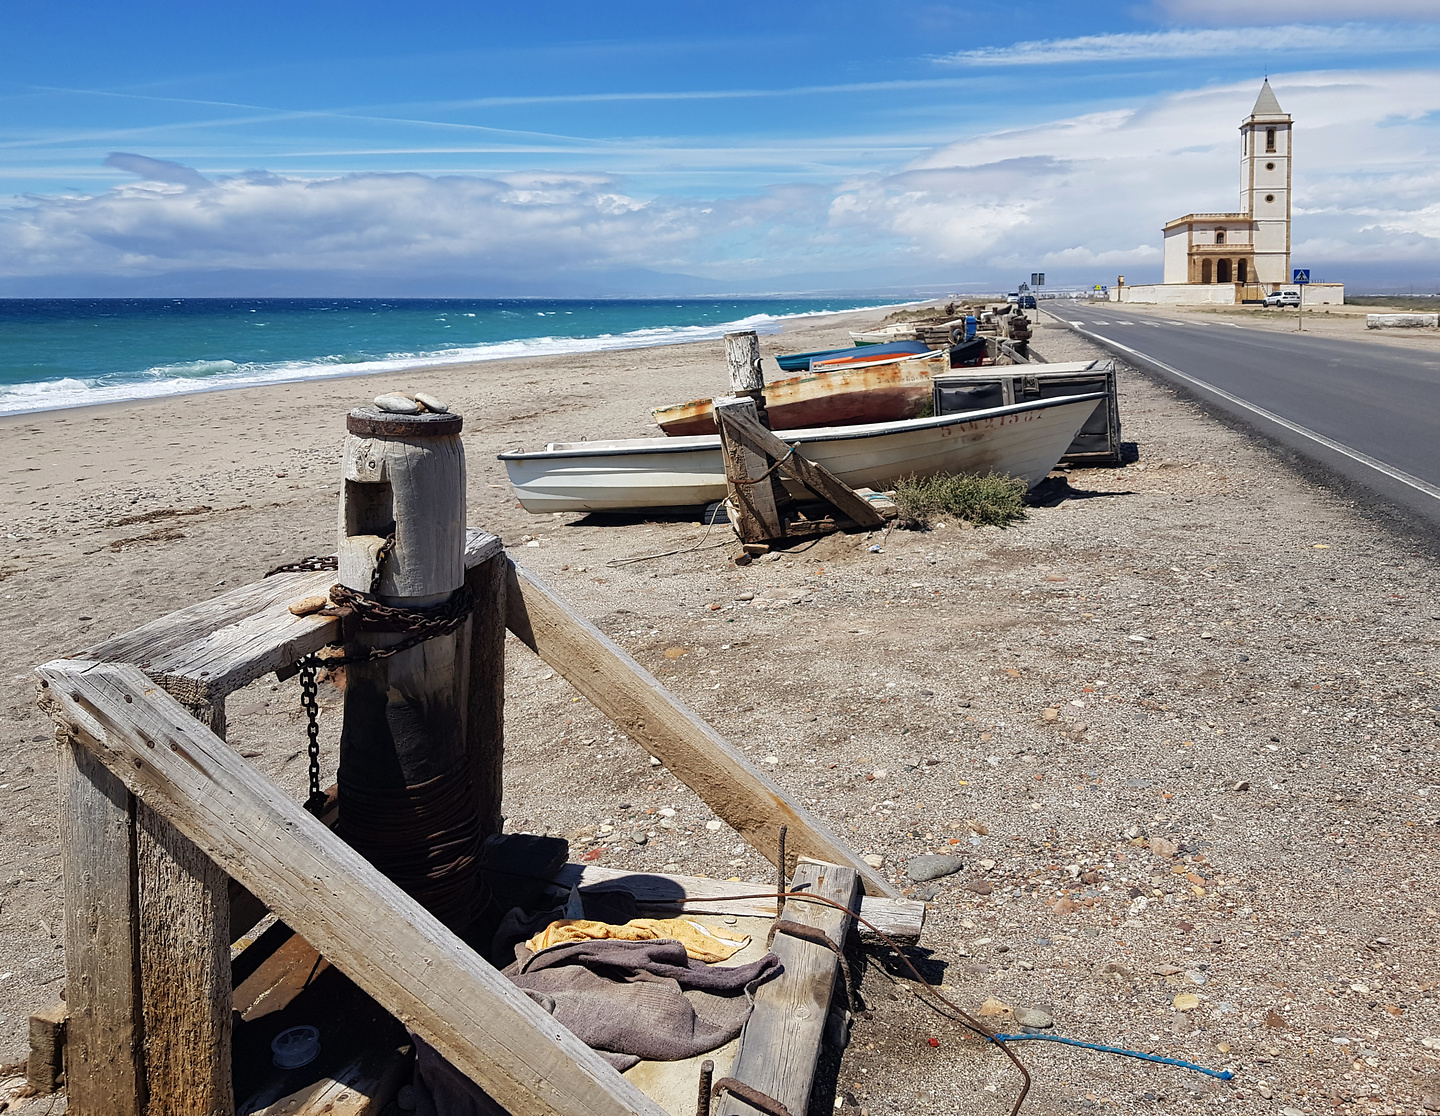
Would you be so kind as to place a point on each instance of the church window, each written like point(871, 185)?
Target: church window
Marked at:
point(1269, 139)
point(1219, 236)
point(1269, 197)
point(1269, 166)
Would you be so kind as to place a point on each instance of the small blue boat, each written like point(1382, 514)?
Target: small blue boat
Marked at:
point(800, 362)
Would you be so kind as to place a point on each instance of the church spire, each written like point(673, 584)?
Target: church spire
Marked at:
point(1266, 104)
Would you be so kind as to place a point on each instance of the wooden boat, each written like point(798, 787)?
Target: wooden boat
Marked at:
point(800, 362)
point(879, 391)
point(883, 335)
point(1023, 440)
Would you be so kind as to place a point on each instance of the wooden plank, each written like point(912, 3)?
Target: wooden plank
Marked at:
point(660, 723)
point(746, 428)
point(901, 919)
point(485, 700)
point(212, 648)
point(280, 978)
point(45, 1067)
point(780, 1045)
point(184, 934)
point(363, 1087)
point(361, 922)
point(104, 1067)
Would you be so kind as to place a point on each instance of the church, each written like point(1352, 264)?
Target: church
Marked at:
point(1227, 258)
point(1250, 248)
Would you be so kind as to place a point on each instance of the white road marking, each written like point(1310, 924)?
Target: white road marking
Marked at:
point(1102, 323)
point(1304, 431)
point(1077, 323)
point(1124, 323)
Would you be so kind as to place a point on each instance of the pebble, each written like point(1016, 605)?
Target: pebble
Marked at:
point(993, 1007)
point(713, 824)
point(1187, 1001)
point(1196, 976)
point(1033, 1017)
point(932, 866)
point(1164, 847)
point(397, 404)
point(875, 860)
point(980, 887)
point(639, 838)
point(430, 402)
point(306, 605)
point(1290, 1111)
point(1264, 1091)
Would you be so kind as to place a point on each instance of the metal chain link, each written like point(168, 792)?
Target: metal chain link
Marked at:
point(418, 625)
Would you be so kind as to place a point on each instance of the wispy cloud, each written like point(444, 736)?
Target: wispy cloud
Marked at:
point(157, 170)
point(1352, 38)
point(1230, 12)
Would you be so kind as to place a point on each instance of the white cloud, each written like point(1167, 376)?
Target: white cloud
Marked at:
point(1229, 12)
point(1202, 43)
point(1081, 197)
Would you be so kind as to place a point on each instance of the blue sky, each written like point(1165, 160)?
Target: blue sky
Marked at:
point(435, 148)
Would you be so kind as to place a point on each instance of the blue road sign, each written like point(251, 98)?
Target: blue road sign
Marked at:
point(1300, 275)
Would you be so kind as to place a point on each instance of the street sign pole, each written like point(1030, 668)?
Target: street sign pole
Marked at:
point(1300, 276)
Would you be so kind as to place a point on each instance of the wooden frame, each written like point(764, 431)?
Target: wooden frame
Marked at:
point(161, 822)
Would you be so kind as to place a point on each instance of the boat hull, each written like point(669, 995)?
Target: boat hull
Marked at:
point(1024, 440)
point(800, 362)
point(875, 392)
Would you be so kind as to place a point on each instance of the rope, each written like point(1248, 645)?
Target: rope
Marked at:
point(1223, 1075)
point(778, 462)
point(719, 507)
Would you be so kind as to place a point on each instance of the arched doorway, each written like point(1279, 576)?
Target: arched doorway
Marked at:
point(1242, 271)
point(1204, 271)
point(1222, 271)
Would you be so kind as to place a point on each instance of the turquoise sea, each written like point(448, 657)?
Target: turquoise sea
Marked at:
point(70, 352)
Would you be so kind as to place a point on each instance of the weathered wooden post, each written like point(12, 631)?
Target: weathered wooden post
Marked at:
point(759, 501)
point(406, 780)
point(747, 378)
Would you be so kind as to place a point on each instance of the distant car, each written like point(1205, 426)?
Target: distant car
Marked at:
point(1283, 298)
point(1027, 302)
point(1012, 298)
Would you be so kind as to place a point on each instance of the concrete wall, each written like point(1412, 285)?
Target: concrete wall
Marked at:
point(1402, 321)
point(1323, 294)
point(1178, 294)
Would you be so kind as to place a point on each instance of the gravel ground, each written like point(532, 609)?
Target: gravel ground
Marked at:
point(1179, 726)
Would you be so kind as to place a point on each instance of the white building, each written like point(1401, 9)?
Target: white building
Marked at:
point(1252, 247)
point(1224, 258)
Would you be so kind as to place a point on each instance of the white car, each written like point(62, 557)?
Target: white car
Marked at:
point(1283, 298)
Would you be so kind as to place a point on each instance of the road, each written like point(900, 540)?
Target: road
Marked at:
point(1367, 411)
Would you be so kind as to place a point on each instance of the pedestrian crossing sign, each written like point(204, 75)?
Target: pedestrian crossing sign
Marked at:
point(1301, 275)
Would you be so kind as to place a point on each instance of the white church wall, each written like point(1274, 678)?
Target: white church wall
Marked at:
point(1179, 294)
point(1177, 256)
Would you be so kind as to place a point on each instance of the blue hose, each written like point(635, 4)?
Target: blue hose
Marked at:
point(1223, 1075)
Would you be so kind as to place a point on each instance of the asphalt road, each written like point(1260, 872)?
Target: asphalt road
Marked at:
point(1369, 412)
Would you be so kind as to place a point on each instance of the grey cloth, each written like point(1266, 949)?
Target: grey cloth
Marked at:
point(641, 1000)
point(627, 1000)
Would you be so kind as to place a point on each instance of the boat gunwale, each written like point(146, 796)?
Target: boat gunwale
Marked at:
point(814, 434)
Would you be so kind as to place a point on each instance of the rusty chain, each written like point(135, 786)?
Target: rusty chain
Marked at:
point(361, 612)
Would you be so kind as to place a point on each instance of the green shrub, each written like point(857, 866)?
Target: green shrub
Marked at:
point(988, 500)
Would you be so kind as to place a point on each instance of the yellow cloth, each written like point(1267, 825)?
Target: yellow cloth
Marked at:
point(704, 943)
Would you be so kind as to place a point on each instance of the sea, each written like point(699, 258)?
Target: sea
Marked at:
point(71, 352)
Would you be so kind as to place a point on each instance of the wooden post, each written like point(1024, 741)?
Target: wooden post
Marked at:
point(104, 1060)
point(752, 494)
point(45, 1067)
point(382, 939)
point(742, 359)
point(485, 701)
point(407, 800)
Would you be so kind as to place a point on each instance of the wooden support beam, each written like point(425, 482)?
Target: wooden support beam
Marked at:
point(743, 427)
point(902, 919)
point(362, 923)
point(489, 580)
point(660, 723)
point(742, 361)
point(780, 1045)
point(104, 1056)
point(756, 497)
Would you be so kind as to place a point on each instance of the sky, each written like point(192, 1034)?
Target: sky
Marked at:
point(435, 148)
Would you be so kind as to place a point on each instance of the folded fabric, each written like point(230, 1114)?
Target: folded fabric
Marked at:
point(703, 943)
point(634, 1000)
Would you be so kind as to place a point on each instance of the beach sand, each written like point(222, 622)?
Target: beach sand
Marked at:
point(1207, 617)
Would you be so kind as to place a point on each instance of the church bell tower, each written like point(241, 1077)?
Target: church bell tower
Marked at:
point(1265, 187)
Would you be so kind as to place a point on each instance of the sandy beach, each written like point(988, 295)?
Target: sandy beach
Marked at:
point(1179, 724)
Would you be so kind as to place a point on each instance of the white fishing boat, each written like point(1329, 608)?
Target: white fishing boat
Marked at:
point(1021, 440)
point(898, 332)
